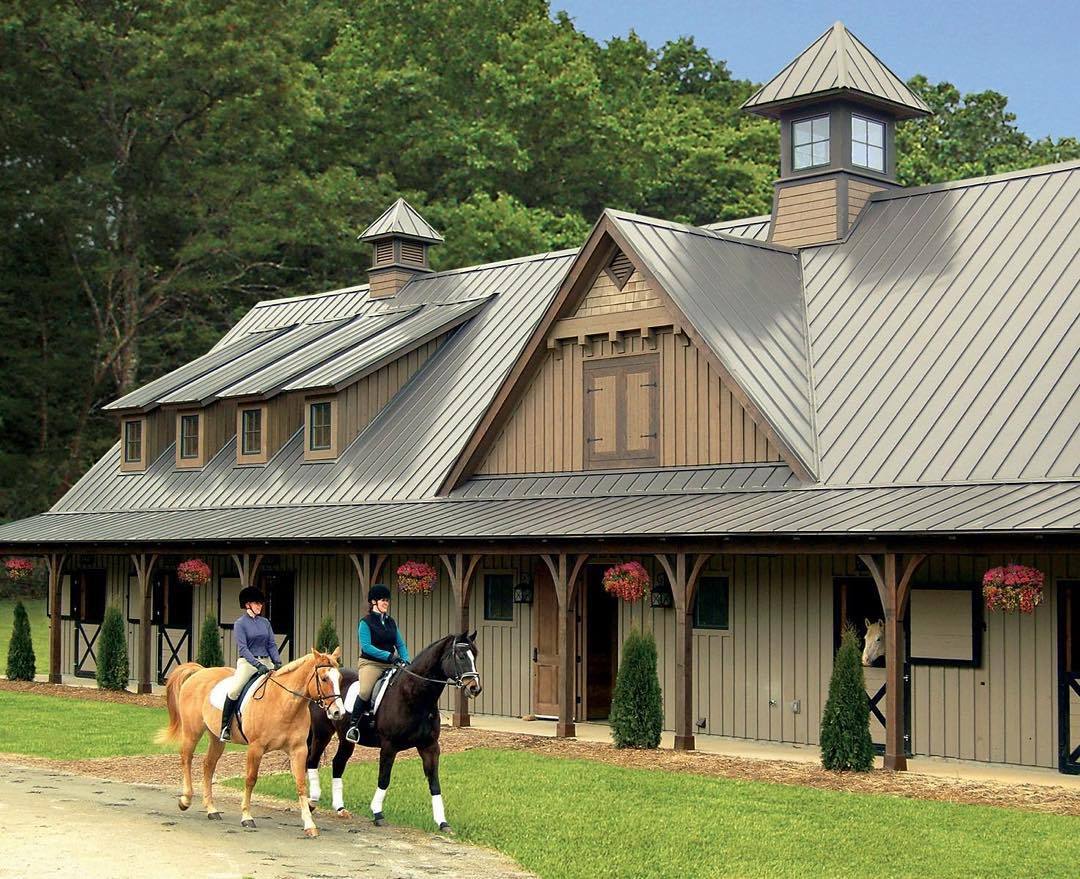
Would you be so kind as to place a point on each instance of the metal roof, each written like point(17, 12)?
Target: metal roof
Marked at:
point(836, 63)
point(753, 228)
point(423, 324)
point(945, 334)
point(401, 220)
point(1001, 508)
point(746, 301)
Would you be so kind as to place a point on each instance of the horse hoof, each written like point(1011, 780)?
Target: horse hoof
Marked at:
point(214, 816)
point(311, 831)
point(312, 805)
point(378, 819)
point(183, 806)
point(248, 822)
point(343, 813)
point(446, 828)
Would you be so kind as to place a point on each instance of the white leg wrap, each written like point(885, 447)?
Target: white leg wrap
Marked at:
point(437, 810)
point(339, 793)
point(376, 801)
point(314, 792)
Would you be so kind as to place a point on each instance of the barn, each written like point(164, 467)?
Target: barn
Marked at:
point(842, 412)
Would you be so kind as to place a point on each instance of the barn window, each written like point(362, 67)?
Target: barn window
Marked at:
point(321, 430)
point(498, 596)
point(320, 426)
point(189, 436)
point(251, 424)
point(810, 141)
point(945, 624)
point(622, 412)
point(89, 594)
point(132, 444)
point(711, 603)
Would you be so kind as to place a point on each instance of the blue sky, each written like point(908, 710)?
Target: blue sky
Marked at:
point(1025, 50)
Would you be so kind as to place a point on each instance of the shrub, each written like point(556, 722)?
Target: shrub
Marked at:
point(637, 713)
point(845, 725)
point(327, 640)
point(112, 655)
point(20, 658)
point(210, 654)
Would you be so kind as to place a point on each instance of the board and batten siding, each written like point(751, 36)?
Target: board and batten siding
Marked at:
point(701, 422)
point(805, 214)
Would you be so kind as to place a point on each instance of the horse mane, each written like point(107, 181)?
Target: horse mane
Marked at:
point(295, 664)
point(431, 652)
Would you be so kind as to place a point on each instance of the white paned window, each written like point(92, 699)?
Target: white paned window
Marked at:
point(133, 442)
point(810, 139)
point(867, 143)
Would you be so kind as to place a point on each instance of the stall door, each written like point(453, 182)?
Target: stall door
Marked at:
point(88, 599)
point(171, 615)
point(1069, 676)
point(280, 609)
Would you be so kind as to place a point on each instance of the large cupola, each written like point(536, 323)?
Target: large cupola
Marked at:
point(838, 106)
point(399, 239)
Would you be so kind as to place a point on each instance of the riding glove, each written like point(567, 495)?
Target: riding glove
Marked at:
point(261, 669)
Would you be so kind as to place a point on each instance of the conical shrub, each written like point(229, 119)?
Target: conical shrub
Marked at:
point(112, 655)
point(845, 725)
point(210, 653)
point(327, 640)
point(20, 658)
point(637, 711)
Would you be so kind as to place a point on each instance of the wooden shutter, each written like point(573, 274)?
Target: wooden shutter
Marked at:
point(600, 414)
point(641, 432)
point(622, 417)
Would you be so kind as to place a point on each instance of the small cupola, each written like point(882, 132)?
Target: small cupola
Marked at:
point(399, 239)
point(838, 106)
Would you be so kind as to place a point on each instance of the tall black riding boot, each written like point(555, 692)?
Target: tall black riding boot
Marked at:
point(362, 707)
point(226, 719)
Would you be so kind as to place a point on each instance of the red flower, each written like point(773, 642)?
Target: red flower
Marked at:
point(19, 569)
point(196, 572)
point(415, 577)
point(628, 581)
point(1013, 587)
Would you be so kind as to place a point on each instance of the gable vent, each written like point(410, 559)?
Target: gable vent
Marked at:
point(412, 252)
point(620, 269)
point(384, 252)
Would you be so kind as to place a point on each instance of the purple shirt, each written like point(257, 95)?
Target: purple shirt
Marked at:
point(255, 637)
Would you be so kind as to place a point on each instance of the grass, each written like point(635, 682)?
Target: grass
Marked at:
point(571, 818)
point(39, 630)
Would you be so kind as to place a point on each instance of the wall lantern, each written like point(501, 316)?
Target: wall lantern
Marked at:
point(660, 596)
point(523, 592)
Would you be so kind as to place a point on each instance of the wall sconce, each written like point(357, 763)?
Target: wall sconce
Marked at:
point(523, 592)
point(661, 596)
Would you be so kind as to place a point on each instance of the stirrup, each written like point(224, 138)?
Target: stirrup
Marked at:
point(226, 733)
point(352, 734)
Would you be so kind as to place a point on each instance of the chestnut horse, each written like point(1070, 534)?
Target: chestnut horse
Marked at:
point(275, 719)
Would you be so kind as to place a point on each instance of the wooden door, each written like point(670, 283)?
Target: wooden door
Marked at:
point(545, 645)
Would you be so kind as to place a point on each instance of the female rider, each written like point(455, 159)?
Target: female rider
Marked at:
point(381, 646)
point(256, 647)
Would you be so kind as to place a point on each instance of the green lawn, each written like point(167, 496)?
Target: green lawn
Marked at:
point(573, 818)
point(39, 631)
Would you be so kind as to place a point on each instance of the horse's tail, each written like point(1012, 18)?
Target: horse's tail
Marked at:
point(177, 676)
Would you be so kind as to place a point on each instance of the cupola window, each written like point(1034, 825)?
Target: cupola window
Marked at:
point(810, 138)
point(867, 143)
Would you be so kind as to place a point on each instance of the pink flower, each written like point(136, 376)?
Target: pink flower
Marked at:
point(19, 569)
point(413, 577)
point(628, 581)
point(193, 571)
point(1013, 587)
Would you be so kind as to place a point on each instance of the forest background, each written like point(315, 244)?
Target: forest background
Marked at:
point(167, 165)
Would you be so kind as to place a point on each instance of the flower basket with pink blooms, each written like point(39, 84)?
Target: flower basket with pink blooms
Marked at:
point(417, 577)
point(19, 569)
point(1013, 587)
point(194, 572)
point(628, 581)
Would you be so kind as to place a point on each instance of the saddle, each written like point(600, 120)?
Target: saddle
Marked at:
point(367, 721)
point(217, 697)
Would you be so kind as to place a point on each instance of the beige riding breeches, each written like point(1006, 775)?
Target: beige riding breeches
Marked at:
point(245, 671)
point(369, 671)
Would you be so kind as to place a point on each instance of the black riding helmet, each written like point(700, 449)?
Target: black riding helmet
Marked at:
point(378, 591)
point(249, 594)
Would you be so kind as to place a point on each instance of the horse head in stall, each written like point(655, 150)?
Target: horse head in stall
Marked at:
point(874, 642)
point(274, 718)
point(408, 717)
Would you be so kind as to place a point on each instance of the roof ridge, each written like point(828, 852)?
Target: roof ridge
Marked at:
point(1036, 171)
point(700, 231)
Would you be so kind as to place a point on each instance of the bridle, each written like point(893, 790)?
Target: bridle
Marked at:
point(454, 681)
point(321, 700)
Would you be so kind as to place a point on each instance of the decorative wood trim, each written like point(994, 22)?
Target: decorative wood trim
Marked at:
point(262, 456)
point(578, 329)
point(54, 563)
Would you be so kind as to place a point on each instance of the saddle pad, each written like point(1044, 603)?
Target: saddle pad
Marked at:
point(221, 689)
point(379, 690)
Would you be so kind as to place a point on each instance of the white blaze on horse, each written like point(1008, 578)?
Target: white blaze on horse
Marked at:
point(874, 642)
point(274, 718)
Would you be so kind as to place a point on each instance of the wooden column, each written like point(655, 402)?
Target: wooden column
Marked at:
point(894, 590)
point(247, 567)
point(54, 562)
point(564, 574)
point(683, 589)
point(368, 567)
point(144, 566)
point(461, 570)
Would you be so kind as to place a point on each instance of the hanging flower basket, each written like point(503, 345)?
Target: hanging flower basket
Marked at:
point(413, 577)
point(195, 572)
point(19, 569)
point(1013, 587)
point(628, 581)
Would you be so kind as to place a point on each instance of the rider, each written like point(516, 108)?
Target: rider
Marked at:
point(256, 647)
point(381, 646)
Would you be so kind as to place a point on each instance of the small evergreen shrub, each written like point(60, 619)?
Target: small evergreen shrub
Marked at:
point(210, 653)
point(327, 640)
point(845, 725)
point(20, 658)
point(637, 712)
point(112, 655)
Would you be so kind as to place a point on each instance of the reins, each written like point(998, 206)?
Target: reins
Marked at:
point(319, 700)
point(458, 682)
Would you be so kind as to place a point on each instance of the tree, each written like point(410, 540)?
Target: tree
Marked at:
point(112, 655)
point(637, 712)
point(327, 640)
point(20, 659)
point(845, 724)
point(210, 654)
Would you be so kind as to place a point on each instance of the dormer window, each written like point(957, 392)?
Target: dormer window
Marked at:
point(189, 440)
point(251, 444)
point(867, 143)
point(133, 445)
point(810, 138)
point(320, 430)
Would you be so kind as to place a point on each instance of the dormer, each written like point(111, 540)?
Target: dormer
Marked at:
point(838, 106)
point(399, 240)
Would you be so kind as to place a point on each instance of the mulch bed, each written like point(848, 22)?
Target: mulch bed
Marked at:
point(164, 769)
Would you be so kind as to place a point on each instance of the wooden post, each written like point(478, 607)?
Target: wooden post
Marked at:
point(683, 589)
point(143, 569)
point(54, 562)
point(461, 574)
point(247, 568)
point(565, 576)
point(894, 591)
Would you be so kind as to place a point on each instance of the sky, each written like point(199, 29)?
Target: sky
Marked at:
point(1026, 49)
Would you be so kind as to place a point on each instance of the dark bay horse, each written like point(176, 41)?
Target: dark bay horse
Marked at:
point(407, 718)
